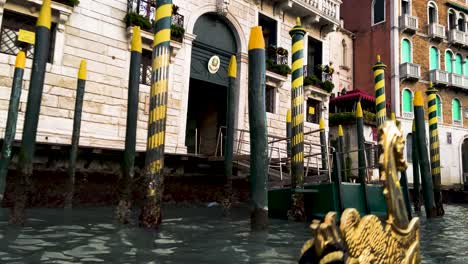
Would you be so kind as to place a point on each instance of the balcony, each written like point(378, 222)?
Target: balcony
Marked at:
point(408, 23)
point(410, 71)
point(456, 80)
point(436, 31)
point(324, 13)
point(456, 37)
point(439, 77)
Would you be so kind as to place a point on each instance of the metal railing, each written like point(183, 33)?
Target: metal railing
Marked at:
point(352, 170)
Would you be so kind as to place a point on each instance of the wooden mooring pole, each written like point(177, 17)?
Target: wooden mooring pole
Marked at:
point(361, 155)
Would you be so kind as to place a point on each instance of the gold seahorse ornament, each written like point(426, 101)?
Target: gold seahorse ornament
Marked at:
point(368, 240)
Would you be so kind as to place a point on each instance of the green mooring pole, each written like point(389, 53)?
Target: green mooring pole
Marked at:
point(403, 177)
point(427, 185)
point(150, 216)
point(361, 154)
point(416, 181)
point(288, 133)
point(28, 143)
point(80, 90)
point(230, 118)
point(340, 150)
point(379, 85)
point(258, 131)
point(297, 113)
point(435, 148)
point(128, 165)
point(323, 144)
point(10, 129)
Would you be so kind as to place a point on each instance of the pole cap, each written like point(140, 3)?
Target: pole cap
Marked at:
point(431, 89)
point(340, 131)
point(45, 15)
point(322, 123)
point(256, 40)
point(136, 39)
point(298, 28)
point(418, 99)
point(82, 70)
point(379, 64)
point(359, 113)
point(288, 116)
point(232, 72)
point(393, 117)
point(20, 60)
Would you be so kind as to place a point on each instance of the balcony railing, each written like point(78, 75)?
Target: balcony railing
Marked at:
point(439, 77)
point(408, 23)
point(410, 71)
point(318, 11)
point(456, 37)
point(456, 80)
point(147, 9)
point(436, 31)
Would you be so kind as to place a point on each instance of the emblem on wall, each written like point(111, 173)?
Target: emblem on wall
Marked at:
point(213, 64)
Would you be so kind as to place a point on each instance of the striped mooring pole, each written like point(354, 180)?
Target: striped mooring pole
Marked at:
point(416, 178)
point(128, 164)
point(10, 129)
point(28, 142)
point(340, 150)
point(426, 179)
point(361, 154)
point(379, 85)
point(258, 131)
point(435, 148)
point(323, 144)
point(288, 133)
point(150, 215)
point(80, 90)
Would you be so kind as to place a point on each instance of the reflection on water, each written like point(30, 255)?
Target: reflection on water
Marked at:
point(195, 235)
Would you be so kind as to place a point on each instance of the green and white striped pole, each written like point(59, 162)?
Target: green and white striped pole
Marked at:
point(435, 148)
point(10, 129)
point(28, 143)
point(323, 144)
point(340, 150)
point(416, 178)
point(80, 90)
point(150, 216)
point(258, 131)
point(427, 186)
point(361, 154)
point(128, 165)
point(379, 85)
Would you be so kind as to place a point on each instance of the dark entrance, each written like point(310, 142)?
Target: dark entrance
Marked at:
point(206, 112)
point(465, 161)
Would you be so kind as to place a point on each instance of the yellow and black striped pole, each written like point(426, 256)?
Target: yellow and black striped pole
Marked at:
point(128, 164)
point(297, 105)
point(288, 133)
point(323, 144)
point(435, 148)
point(80, 90)
point(416, 178)
point(258, 131)
point(426, 179)
point(379, 85)
point(10, 128)
point(31, 119)
point(150, 216)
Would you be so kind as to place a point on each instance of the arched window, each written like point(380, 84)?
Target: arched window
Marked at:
point(345, 53)
point(432, 13)
point(378, 11)
point(458, 64)
point(405, 7)
point(448, 61)
point(409, 147)
point(439, 106)
point(461, 22)
point(465, 67)
point(434, 59)
point(407, 101)
point(405, 51)
point(452, 19)
point(456, 110)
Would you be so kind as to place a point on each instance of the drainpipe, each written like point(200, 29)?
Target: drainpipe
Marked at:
point(394, 47)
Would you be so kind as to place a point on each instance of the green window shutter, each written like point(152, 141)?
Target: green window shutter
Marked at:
point(466, 66)
point(407, 101)
point(434, 59)
point(448, 62)
point(439, 107)
point(458, 64)
point(405, 51)
point(456, 115)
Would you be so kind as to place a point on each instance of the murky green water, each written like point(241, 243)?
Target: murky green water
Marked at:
point(190, 235)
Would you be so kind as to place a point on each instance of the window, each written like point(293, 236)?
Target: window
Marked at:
point(434, 59)
point(314, 57)
point(432, 13)
point(465, 68)
point(270, 99)
point(314, 111)
point(405, 7)
point(145, 67)
point(12, 23)
point(452, 19)
point(405, 51)
point(448, 61)
point(269, 28)
point(461, 23)
point(409, 147)
point(407, 101)
point(456, 111)
point(458, 64)
point(378, 11)
point(344, 61)
point(439, 107)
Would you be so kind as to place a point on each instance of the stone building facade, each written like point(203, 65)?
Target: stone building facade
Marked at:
point(95, 30)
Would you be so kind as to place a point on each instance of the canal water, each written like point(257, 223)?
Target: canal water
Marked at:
point(190, 235)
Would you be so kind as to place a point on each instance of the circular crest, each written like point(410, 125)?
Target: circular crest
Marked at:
point(213, 64)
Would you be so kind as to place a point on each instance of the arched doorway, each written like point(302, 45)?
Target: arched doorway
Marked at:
point(206, 113)
point(465, 161)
